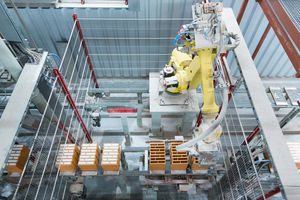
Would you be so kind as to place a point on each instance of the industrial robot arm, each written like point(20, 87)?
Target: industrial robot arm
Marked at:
point(193, 64)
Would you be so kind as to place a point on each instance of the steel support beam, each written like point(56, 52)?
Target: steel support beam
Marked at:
point(242, 10)
point(286, 22)
point(280, 31)
point(104, 106)
point(17, 108)
point(140, 97)
point(278, 150)
point(126, 130)
point(123, 117)
point(261, 41)
point(97, 91)
point(139, 119)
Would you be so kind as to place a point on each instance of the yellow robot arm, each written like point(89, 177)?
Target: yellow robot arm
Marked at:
point(191, 72)
point(206, 59)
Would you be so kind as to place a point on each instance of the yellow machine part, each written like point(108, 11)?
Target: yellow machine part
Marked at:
point(181, 60)
point(206, 59)
point(192, 72)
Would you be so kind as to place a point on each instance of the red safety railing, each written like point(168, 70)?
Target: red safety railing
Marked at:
point(65, 90)
point(252, 135)
point(85, 50)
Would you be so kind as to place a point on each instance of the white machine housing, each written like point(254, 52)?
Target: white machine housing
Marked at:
point(209, 27)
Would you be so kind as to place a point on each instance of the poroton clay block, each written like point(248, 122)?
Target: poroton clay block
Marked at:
point(295, 152)
point(195, 165)
point(111, 155)
point(14, 167)
point(173, 145)
point(112, 146)
point(179, 164)
point(157, 156)
point(110, 164)
point(157, 163)
point(21, 147)
point(69, 147)
point(66, 166)
point(17, 158)
point(157, 146)
point(178, 154)
point(67, 158)
point(89, 162)
point(178, 159)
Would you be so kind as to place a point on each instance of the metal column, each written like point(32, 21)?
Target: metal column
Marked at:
point(156, 124)
point(278, 150)
point(139, 119)
point(187, 122)
point(126, 130)
point(123, 117)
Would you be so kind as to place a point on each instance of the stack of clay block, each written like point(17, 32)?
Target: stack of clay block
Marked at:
point(17, 158)
point(111, 157)
point(195, 164)
point(178, 159)
point(157, 156)
point(67, 157)
point(89, 157)
point(295, 151)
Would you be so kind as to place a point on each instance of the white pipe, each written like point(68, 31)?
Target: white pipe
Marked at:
point(185, 146)
point(9, 61)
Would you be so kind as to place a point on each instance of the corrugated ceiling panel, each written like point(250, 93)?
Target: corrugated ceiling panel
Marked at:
point(140, 55)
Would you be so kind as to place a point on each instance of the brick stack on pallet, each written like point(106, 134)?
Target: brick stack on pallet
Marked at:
point(178, 159)
point(157, 156)
point(295, 151)
point(17, 159)
point(111, 157)
point(89, 157)
point(67, 158)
